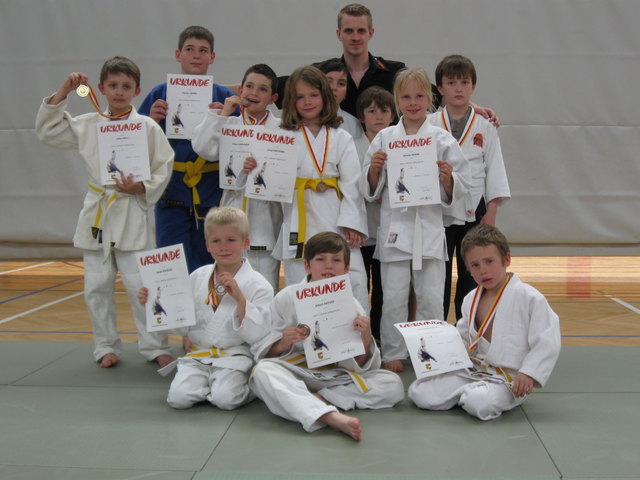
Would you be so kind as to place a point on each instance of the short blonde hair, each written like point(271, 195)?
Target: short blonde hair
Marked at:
point(223, 216)
point(417, 74)
point(484, 235)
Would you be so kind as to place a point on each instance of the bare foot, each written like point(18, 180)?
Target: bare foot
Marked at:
point(343, 423)
point(394, 366)
point(109, 360)
point(164, 359)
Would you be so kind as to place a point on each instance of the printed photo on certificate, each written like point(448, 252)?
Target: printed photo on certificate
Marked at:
point(170, 304)
point(275, 176)
point(412, 172)
point(435, 347)
point(326, 310)
point(123, 148)
point(188, 97)
point(235, 147)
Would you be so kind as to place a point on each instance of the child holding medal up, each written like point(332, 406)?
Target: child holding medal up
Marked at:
point(255, 94)
point(112, 225)
point(326, 196)
point(231, 303)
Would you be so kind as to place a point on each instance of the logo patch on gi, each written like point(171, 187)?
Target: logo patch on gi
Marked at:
point(478, 140)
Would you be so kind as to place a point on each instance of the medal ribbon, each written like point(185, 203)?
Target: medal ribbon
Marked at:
point(247, 120)
point(96, 104)
point(325, 154)
point(212, 297)
point(488, 319)
point(466, 130)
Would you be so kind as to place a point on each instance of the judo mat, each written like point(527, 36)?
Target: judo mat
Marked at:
point(63, 418)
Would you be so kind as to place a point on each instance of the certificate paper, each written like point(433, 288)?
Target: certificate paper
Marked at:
point(188, 97)
point(122, 147)
point(412, 172)
point(170, 304)
point(235, 146)
point(275, 176)
point(435, 347)
point(326, 308)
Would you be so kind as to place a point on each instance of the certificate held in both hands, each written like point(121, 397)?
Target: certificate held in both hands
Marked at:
point(188, 97)
point(327, 311)
point(435, 347)
point(412, 172)
point(164, 273)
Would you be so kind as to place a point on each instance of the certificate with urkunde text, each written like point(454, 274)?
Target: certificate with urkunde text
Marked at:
point(435, 347)
point(123, 149)
point(164, 273)
point(188, 97)
point(327, 312)
point(235, 147)
point(275, 176)
point(412, 172)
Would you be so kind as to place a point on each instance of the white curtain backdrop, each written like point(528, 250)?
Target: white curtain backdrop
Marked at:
point(562, 74)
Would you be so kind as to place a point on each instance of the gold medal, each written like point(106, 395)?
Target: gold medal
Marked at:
point(321, 187)
point(82, 90)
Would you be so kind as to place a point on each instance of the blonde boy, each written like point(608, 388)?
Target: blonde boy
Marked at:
point(310, 396)
point(511, 333)
point(231, 303)
point(255, 94)
point(113, 223)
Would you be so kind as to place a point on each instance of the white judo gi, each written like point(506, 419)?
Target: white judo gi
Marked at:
point(286, 384)
point(481, 146)
point(325, 211)
point(217, 368)
point(525, 339)
point(350, 124)
point(112, 226)
point(265, 218)
point(410, 242)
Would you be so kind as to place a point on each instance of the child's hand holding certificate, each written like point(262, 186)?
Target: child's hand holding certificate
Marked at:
point(326, 311)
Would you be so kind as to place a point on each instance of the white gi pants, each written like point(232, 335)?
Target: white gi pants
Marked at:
point(294, 273)
point(397, 278)
point(290, 396)
point(483, 399)
point(269, 267)
point(99, 287)
point(194, 382)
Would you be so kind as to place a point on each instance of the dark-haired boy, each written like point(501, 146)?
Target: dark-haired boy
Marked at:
point(456, 81)
point(112, 225)
point(511, 333)
point(310, 396)
point(193, 187)
point(255, 94)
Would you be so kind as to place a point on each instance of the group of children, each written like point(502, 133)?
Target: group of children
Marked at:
point(324, 232)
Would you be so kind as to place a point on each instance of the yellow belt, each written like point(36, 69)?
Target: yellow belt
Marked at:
point(193, 174)
point(202, 353)
point(300, 361)
point(318, 185)
point(96, 227)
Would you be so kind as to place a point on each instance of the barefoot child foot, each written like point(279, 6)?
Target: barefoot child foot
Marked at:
point(164, 359)
point(109, 360)
point(343, 423)
point(394, 366)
